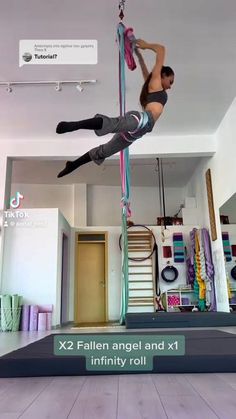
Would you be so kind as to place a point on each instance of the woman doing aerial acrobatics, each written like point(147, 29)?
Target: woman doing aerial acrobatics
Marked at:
point(133, 124)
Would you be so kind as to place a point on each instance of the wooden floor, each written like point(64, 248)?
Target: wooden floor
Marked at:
point(130, 396)
point(149, 396)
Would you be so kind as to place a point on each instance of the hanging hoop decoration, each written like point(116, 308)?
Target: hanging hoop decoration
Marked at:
point(164, 230)
point(147, 257)
point(233, 272)
point(169, 273)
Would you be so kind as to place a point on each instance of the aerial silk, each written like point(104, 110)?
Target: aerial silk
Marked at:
point(126, 45)
point(126, 40)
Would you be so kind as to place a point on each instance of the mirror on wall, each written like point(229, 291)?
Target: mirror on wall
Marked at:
point(228, 211)
point(228, 231)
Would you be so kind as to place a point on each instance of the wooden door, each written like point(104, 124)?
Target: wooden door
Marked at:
point(91, 282)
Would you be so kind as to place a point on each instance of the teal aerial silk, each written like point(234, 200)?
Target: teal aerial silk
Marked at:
point(125, 180)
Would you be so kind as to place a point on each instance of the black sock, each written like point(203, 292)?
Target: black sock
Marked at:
point(72, 165)
point(81, 160)
point(92, 123)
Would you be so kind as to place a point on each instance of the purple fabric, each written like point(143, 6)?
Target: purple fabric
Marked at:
point(185, 301)
point(209, 266)
point(192, 238)
point(190, 272)
point(190, 259)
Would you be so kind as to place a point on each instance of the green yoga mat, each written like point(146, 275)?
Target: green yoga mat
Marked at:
point(6, 313)
point(15, 303)
point(10, 312)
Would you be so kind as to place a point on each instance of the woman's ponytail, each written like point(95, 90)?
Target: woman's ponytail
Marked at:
point(144, 92)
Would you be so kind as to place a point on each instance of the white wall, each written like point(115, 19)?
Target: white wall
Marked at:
point(64, 227)
point(47, 196)
point(197, 188)
point(103, 204)
point(79, 204)
point(5, 187)
point(33, 259)
point(223, 171)
point(99, 205)
point(30, 258)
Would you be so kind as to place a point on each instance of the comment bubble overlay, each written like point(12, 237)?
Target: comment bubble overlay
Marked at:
point(69, 51)
point(119, 352)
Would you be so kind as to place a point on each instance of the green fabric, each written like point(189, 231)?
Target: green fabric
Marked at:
point(125, 194)
point(125, 269)
point(201, 304)
point(201, 301)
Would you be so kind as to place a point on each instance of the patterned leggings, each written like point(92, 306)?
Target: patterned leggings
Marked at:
point(126, 132)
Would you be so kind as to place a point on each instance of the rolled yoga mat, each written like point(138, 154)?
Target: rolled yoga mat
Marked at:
point(233, 249)
point(42, 321)
point(226, 246)
point(16, 309)
point(49, 321)
point(33, 325)
point(45, 308)
point(25, 317)
point(178, 245)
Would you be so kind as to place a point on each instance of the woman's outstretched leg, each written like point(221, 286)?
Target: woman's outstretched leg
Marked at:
point(103, 124)
point(72, 165)
point(92, 123)
point(118, 142)
point(97, 154)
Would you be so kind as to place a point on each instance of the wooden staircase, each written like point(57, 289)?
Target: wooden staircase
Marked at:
point(141, 280)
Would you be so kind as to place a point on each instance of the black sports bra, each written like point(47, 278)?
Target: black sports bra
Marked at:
point(160, 97)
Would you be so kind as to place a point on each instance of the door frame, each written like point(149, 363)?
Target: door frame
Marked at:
point(65, 247)
point(77, 234)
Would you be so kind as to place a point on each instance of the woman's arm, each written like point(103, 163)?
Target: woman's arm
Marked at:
point(142, 64)
point(157, 48)
point(155, 82)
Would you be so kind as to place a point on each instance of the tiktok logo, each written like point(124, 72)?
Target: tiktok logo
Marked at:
point(15, 200)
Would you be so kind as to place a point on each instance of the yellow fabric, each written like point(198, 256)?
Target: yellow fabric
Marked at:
point(201, 283)
point(229, 287)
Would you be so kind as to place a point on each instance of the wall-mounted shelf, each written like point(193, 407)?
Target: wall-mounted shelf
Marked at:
point(233, 290)
point(178, 297)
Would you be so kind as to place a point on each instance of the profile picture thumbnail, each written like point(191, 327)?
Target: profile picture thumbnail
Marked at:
point(27, 57)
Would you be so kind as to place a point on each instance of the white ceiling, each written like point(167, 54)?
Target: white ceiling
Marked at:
point(200, 38)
